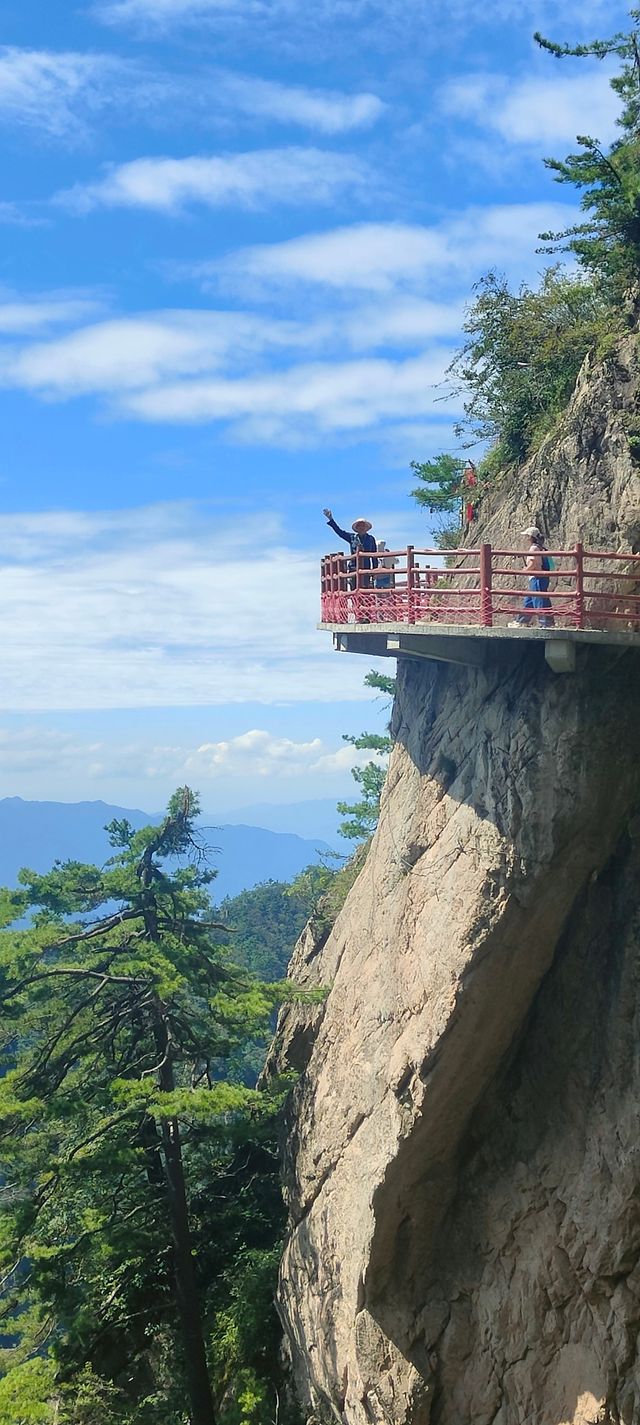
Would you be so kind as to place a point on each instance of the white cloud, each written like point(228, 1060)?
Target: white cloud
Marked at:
point(292, 382)
point(382, 257)
point(537, 111)
point(416, 15)
point(21, 317)
point(163, 606)
point(39, 88)
point(261, 754)
point(373, 256)
point(132, 352)
point(252, 754)
point(407, 321)
point(323, 398)
point(12, 215)
point(245, 180)
point(198, 365)
point(192, 366)
point(320, 109)
point(61, 93)
point(162, 12)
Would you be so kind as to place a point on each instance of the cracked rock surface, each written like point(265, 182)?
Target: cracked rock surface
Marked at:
point(463, 1155)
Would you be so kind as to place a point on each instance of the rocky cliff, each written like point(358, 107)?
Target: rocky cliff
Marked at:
point(463, 1157)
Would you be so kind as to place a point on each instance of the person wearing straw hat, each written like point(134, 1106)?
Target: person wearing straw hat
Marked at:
point(537, 565)
point(360, 541)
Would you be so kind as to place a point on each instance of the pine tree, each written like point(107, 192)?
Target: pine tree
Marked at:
point(362, 816)
point(607, 244)
point(441, 486)
point(120, 1009)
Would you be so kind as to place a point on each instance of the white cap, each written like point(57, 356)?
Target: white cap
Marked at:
point(533, 530)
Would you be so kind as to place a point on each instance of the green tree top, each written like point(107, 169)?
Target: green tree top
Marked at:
point(524, 349)
point(362, 816)
point(441, 483)
point(607, 244)
point(120, 1008)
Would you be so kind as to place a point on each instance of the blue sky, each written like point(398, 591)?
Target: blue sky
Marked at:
point(237, 238)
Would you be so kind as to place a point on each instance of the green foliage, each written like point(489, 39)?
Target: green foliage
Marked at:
point(362, 816)
point(441, 493)
point(246, 1337)
point(381, 681)
point(607, 243)
point(519, 365)
point(27, 1394)
point(264, 924)
point(447, 536)
point(123, 1147)
point(327, 887)
point(441, 487)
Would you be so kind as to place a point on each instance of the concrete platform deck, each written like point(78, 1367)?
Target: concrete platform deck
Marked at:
point(469, 643)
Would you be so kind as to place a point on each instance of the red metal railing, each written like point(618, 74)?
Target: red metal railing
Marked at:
point(594, 589)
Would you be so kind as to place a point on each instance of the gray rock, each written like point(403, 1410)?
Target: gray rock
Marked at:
point(463, 1154)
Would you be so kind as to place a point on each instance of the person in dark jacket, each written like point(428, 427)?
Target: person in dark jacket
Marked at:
point(358, 538)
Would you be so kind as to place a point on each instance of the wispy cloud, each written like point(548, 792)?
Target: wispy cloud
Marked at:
point(254, 753)
point(138, 351)
point(236, 368)
point(244, 180)
point(163, 606)
point(537, 111)
point(12, 215)
point(62, 93)
point(381, 257)
point(21, 317)
point(375, 357)
point(323, 110)
point(152, 370)
point(170, 12)
point(324, 398)
point(163, 14)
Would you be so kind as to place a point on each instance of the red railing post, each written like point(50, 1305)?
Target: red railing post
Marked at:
point(411, 575)
point(486, 601)
point(358, 586)
point(579, 554)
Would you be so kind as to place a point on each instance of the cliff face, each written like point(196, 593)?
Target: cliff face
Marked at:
point(463, 1160)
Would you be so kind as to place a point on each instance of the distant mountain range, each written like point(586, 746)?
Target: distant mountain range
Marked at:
point(34, 834)
point(320, 817)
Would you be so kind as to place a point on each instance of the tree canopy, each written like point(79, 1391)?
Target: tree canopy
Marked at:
point(607, 243)
point(518, 366)
point(441, 485)
point(133, 1169)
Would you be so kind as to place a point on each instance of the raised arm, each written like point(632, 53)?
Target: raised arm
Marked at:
point(343, 534)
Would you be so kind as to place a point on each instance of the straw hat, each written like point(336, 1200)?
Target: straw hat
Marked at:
point(359, 524)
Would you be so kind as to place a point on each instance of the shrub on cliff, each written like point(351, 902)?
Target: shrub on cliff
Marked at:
point(518, 367)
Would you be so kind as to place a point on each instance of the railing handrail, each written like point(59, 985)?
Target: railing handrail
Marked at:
point(474, 586)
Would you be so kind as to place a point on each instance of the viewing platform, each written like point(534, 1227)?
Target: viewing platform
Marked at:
point(453, 605)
